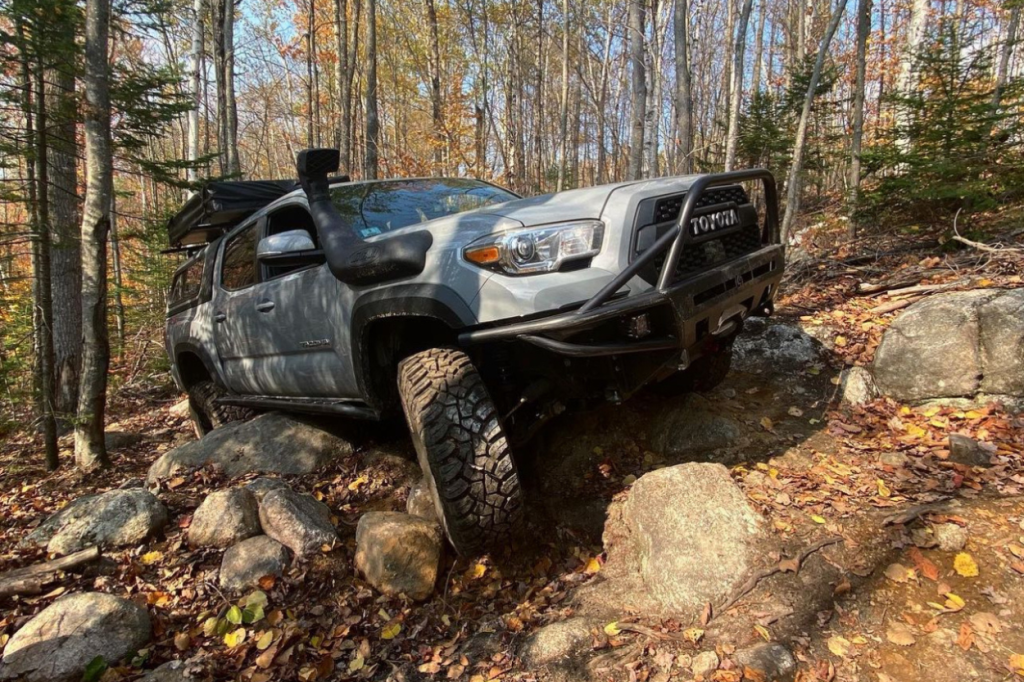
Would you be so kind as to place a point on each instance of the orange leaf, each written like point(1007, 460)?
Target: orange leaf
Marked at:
point(924, 565)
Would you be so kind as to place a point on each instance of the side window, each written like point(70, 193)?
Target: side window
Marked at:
point(187, 282)
point(238, 268)
point(285, 220)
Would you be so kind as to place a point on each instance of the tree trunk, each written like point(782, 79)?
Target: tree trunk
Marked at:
point(65, 248)
point(684, 87)
point(115, 262)
point(372, 123)
point(1005, 52)
point(906, 81)
point(863, 31)
point(793, 181)
point(342, 74)
point(217, 20)
point(197, 88)
point(652, 118)
point(762, 15)
point(736, 86)
point(436, 110)
point(638, 115)
point(90, 450)
point(231, 110)
point(33, 95)
point(310, 59)
point(538, 94)
point(563, 105)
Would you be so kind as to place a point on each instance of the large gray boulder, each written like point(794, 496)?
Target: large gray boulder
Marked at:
point(688, 536)
point(774, 348)
point(58, 644)
point(116, 518)
point(398, 553)
point(955, 345)
point(693, 424)
point(299, 522)
point(270, 443)
point(224, 518)
point(245, 563)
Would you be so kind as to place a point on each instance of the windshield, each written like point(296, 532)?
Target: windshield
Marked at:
point(377, 207)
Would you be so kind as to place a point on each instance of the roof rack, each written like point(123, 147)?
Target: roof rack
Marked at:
point(219, 205)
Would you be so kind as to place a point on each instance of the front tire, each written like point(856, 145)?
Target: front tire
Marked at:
point(207, 414)
point(461, 445)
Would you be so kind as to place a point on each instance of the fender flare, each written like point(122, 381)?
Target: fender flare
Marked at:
point(433, 301)
point(204, 356)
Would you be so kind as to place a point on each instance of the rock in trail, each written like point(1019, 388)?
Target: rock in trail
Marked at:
point(59, 642)
point(116, 518)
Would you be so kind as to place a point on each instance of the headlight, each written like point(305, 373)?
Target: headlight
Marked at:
point(537, 249)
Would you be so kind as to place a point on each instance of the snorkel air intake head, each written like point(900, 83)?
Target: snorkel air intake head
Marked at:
point(351, 259)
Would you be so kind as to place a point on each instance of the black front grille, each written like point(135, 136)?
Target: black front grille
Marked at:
point(667, 209)
point(698, 257)
point(655, 216)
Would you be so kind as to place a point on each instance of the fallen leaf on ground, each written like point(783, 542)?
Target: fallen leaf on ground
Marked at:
point(966, 637)
point(898, 573)
point(964, 565)
point(900, 634)
point(986, 623)
point(927, 567)
point(840, 646)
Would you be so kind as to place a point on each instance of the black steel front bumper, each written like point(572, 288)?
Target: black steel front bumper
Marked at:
point(702, 307)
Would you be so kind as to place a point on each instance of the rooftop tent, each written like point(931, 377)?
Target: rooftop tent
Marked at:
point(220, 205)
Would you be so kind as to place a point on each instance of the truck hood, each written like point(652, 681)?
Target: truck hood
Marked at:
point(581, 204)
point(577, 204)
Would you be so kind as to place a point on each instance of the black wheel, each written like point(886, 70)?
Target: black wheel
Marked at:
point(466, 460)
point(706, 372)
point(206, 414)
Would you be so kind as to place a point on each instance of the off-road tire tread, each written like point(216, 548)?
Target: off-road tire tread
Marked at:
point(460, 439)
point(202, 399)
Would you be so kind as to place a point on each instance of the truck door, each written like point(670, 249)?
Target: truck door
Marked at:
point(298, 315)
point(235, 319)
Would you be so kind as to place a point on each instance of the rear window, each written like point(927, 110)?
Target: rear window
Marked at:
point(188, 281)
point(379, 207)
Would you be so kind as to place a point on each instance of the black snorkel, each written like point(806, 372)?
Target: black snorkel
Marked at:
point(349, 258)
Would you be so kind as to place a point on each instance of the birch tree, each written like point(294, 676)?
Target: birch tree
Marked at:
point(198, 35)
point(863, 31)
point(639, 90)
point(90, 449)
point(736, 86)
point(800, 144)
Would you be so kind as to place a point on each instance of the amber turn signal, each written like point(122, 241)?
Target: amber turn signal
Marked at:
point(483, 255)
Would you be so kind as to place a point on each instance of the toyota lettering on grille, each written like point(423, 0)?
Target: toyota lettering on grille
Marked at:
point(712, 222)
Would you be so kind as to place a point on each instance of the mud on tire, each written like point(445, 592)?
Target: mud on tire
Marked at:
point(466, 460)
point(206, 414)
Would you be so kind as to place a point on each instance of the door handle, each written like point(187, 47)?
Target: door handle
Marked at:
point(265, 306)
point(219, 317)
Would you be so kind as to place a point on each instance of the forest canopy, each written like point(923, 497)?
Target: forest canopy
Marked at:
point(873, 114)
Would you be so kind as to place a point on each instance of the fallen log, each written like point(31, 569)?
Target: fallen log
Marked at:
point(31, 579)
point(893, 306)
point(926, 288)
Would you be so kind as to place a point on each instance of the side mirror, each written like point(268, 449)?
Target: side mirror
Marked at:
point(290, 246)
